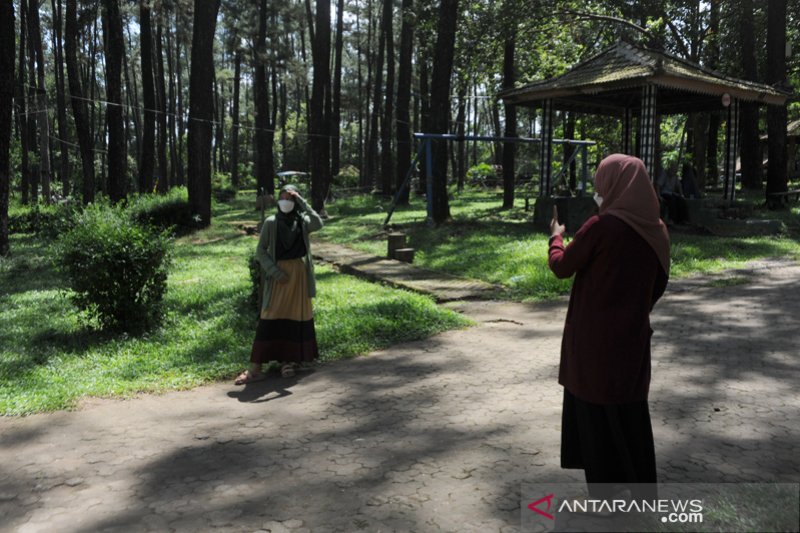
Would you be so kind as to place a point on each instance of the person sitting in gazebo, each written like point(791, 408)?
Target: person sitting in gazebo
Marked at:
point(671, 194)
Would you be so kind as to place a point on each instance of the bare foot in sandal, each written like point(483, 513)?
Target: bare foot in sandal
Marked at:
point(249, 377)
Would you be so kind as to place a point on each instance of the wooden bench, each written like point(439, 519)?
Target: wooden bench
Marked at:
point(780, 199)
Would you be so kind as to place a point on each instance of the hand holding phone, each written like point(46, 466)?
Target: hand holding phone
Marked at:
point(555, 227)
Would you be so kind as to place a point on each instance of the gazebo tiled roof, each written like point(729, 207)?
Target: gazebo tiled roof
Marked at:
point(612, 80)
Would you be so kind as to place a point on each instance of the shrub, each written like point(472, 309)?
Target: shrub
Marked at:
point(117, 269)
point(222, 188)
point(169, 211)
point(45, 220)
point(482, 174)
point(347, 178)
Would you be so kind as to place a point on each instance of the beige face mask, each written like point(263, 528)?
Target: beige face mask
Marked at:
point(598, 199)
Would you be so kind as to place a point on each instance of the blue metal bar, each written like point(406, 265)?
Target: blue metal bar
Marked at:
point(404, 184)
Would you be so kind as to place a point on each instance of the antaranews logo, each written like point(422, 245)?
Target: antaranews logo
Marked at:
point(535, 506)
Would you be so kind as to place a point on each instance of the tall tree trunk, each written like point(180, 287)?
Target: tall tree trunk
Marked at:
point(7, 43)
point(336, 116)
point(509, 148)
point(748, 120)
point(404, 79)
point(147, 154)
point(181, 174)
point(35, 40)
point(162, 185)
point(424, 105)
point(365, 171)
point(117, 146)
point(710, 169)
point(284, 103)
point(475, 126)
point(78, 102)
point(58, 52)
point(219, 124)
point(22, 116)
point(495, 113)
point(265, 171)
point(387, 168)
point(372, 148)
point(133, 100)
point(776, 76)
point(171, 110)
point(201, 108)
point(33, 109)
point(319, 127)
point(440, 104)
point(237, 74)
point(359, 89)
point(96, 122)
point(461, 126)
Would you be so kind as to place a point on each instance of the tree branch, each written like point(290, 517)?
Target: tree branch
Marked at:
point(679, 39)
point(609, 18)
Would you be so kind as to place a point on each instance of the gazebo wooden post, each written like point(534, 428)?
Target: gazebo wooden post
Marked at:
point(647, 129)
point(546, 155)
point(731, 149)
point(627, 131)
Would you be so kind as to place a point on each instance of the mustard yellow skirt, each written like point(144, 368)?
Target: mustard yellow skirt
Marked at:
point(285, 331)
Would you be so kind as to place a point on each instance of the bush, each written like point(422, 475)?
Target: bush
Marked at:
point(117, 269)
point(44, 220)
point(483, 174)
point(169, 211)
point(347, 178)
point(221, 187)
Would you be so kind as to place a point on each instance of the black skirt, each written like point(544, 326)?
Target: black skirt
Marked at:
point(613, 444)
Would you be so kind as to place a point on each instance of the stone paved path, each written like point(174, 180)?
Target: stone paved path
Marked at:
point(443, 287)
point(433, 435)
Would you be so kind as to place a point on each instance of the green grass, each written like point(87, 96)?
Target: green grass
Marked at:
point(49, 360)
point(503, 247)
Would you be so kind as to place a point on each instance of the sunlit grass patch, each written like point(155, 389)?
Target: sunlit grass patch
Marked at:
point(503, 247)
point(50, 360)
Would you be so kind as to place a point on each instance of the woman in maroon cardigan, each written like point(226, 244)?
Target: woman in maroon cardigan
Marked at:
point(620, 259)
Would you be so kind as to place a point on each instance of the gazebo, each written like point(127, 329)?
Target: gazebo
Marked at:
point(635, 84)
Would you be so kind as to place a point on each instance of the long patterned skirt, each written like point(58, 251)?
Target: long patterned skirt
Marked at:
point(285, 330)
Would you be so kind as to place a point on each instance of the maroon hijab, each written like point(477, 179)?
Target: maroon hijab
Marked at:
point(628, 194)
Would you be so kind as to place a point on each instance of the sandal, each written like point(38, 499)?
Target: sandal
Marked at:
point(248, 377)
point(287, 371)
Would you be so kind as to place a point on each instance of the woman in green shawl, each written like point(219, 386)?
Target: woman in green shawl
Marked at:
point(285, 330)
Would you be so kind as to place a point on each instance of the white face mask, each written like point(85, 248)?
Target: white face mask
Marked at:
point(286, 206)
point(598, 199)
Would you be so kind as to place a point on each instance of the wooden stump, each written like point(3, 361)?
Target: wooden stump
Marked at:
point(396, 240)
point(404, 254)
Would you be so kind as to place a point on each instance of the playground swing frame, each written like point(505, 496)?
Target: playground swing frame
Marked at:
point(426, 147)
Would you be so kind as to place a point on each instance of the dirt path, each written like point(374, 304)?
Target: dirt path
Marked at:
point(434, 435)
